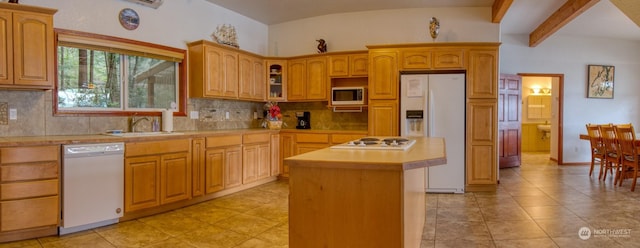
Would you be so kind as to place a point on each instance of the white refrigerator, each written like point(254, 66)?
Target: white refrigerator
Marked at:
point(433, 105)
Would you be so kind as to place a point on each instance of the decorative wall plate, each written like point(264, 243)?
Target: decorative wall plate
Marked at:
point(129, 19)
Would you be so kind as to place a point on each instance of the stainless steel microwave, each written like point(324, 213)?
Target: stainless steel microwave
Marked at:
point(348, 96)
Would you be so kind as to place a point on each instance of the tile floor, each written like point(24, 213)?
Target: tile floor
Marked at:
point(537, 205)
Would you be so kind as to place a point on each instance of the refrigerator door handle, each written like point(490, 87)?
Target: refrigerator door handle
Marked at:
point(430, 109)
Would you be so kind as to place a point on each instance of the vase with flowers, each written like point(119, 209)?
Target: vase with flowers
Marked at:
point(274, 115)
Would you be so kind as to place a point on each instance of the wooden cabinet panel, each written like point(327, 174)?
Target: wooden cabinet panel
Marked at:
point(30, 188)
point(482, 130)
point(27, 56)
point(349, 65)
point(264, 161)
point(383, 118)
point(287, 149)
point(339, 65)
point(230, 74)
point(133, 149)
point(142, 183)
point(224, 140)
point(415, 59)
point(251, 78)
point(482, 76)
point(6, 48)
point(213, 71)
point(29, 213)
point(359, 65)
point(317, 78)
point(449, 58)
point(18, 190)
point(33, 49)
point(175, 184)
point(215, 164)
point(296, 79)
point(275, 154)
point(309, 147)
point(253, 138)
point(29, 154)
point(312, 138)
point(250, 164)
point(383, 75)
point(198, 158)
point(307, 79)
point(233, 167)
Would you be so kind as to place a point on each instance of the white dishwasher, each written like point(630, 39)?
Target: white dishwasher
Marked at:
point(92, 186)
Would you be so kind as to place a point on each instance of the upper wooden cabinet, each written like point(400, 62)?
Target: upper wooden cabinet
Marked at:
point(482, 76)
point(277, 84)
point(251, 78)
point(26, 47)
point(307, 79)
point(213, 71)
point(349, 65)
point(415, 58)
point(448, 58)
point(383, 74)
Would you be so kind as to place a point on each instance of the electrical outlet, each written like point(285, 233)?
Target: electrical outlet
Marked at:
point(226, 115)
point(13, 114)
point(194, 115)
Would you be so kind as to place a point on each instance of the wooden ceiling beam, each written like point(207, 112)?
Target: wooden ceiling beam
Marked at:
point(567, 12)
point(499, 9)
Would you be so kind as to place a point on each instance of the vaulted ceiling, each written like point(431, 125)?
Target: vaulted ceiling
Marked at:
point(540, 19)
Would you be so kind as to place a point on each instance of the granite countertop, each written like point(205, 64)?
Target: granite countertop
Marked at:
point(425, 152)
point(102, 138)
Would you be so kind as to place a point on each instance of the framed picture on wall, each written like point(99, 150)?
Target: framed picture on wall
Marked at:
point(600, 81)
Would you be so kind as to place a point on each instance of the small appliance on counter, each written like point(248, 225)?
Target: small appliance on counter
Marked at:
point(304, 120)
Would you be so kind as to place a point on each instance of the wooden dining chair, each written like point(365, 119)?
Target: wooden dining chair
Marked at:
point(611, 147)
point(628, 154)
point(597, 147)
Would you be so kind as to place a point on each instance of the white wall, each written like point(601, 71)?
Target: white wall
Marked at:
point(570, 55)
point(173, 24)
point(353, 31)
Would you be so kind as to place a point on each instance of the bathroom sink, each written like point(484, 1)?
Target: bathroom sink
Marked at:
point(544, 128)
point(142, 134)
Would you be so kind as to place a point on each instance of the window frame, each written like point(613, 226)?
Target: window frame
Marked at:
point(182, 77)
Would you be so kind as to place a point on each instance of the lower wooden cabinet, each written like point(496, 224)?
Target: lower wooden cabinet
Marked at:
point(275, 154)
point(156, 173)
point(256, 158)
point(29, 191)
point(214, 170)
point(233, 167)
point(287, 149)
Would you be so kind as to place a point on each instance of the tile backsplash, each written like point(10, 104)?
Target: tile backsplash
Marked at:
point(35, 116)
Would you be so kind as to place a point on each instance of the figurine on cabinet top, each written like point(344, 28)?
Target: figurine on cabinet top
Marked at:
point(322, 46)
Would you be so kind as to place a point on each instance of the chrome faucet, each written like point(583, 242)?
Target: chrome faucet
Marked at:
point(134, 122)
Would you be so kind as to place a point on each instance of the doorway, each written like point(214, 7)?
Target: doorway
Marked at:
point(542, 105)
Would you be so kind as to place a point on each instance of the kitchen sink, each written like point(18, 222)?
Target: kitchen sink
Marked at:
point(544, 128)
point(142, 134)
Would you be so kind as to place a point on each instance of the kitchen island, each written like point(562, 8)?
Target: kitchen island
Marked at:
point(360, 197)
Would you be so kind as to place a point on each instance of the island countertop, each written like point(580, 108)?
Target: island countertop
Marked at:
point(425, 152)
point(360, 198)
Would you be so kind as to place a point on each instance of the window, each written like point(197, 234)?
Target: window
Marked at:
point(101, 75)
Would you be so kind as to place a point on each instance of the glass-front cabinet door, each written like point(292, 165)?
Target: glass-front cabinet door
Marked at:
point(277, 83)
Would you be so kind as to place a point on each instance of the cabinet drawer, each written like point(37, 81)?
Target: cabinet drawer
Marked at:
point(32, 171)
point(312, 138)
point(10, 191)
point(29, 213)
point(448, 58)
point(156, 147)
point(10, 155)
point(256, 138)
point(226, 140)
point(343, 138)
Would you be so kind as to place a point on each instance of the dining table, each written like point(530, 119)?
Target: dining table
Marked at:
point(586, 137)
